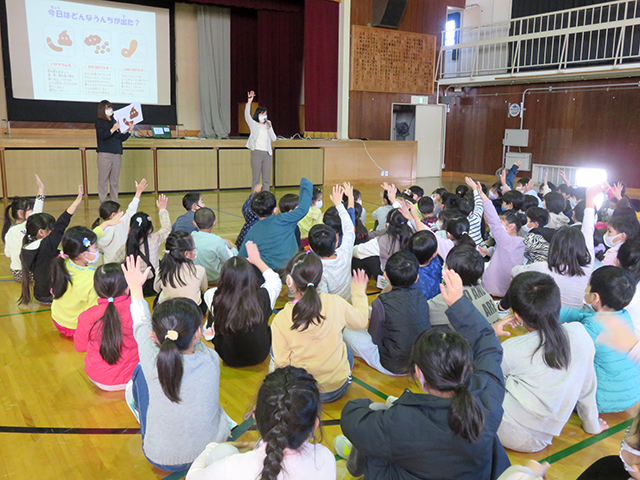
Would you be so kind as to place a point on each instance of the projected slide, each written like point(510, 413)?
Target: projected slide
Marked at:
point(85, 51)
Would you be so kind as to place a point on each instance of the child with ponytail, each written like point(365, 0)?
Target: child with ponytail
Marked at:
point(105, 332)
point(287, 416)
point(548, 371)
point(143, 242)
point(39, 248)
point(179, 276)
point(308, 331)
point(174, 392)
point(72, 279)
point(13, 236)
point(449, 429)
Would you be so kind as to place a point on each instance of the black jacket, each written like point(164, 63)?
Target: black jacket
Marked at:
point(39, 260)
point(109, 142)
point(412, 439)
point(397, 318)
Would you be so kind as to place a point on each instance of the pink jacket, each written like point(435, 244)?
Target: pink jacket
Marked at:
point(86, 340)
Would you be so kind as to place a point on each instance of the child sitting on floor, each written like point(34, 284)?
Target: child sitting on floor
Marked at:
point(314, 216)
point(212, 250)
point(424, 246)
point(191, 202)
point(397, 318)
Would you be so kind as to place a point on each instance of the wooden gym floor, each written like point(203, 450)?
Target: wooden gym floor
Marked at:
point(54, 423)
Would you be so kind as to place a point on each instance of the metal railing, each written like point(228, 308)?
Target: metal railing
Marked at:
point(595, 35)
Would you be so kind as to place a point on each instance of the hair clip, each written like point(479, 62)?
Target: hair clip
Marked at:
point(110, 299)
point(167, 251)
point(171, 335)
point(308, 252)
point(63, 255)
point(86, 242)
point(139, 220)
point(310, 285)
point(465, 233)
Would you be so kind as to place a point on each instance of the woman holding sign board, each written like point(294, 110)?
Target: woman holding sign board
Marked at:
point(109, 150)
point(259, 143)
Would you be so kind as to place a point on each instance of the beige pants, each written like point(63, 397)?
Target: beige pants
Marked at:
point(108, 175)
point(260, 164)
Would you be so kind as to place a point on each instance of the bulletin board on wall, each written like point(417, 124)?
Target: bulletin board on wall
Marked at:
point(392, 61)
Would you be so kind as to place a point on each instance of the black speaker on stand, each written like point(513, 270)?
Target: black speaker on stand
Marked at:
point(388, 13)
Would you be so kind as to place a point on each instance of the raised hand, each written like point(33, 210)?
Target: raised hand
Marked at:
point(503, 176)
point(564, 177)
point(518, 164)
point(140, 187)
point(72, 208)
point(336, 195)
point(40, 185)
point(348, 191)
point(117, 218)
point(134, 277)
point(469, 181)
point(482, 195)
point(162, 202)
point(592, 192)
point(360, 279)
point(451, 287)
point(617, 190)
point(250, 96)
point(546, 176)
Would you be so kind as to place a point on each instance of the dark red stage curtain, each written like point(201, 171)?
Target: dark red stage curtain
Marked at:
point(244, 59)
point(321, 65)
point(278, 5)
point(280, 48)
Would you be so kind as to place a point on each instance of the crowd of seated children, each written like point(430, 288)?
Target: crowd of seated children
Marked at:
point(191, 202)
point(240, 308)
point(313, 216)
point(212, 250)
point(287, 203)
point(14, 228)
point(250, 217)
point(536, 235)
point(424, 246)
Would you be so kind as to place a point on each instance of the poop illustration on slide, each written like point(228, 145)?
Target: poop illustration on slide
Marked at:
point(127, 52)
point(63, 39)
point(96, 40)
point(133, 113)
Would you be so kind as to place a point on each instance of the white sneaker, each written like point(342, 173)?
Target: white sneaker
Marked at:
point(501, 313)
point(342, 446)
point(208, 333)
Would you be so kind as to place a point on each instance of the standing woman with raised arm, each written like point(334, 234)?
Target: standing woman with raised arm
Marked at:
point(109, 150)
point(259, 143)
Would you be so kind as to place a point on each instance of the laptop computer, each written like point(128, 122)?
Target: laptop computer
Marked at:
point(162, 131)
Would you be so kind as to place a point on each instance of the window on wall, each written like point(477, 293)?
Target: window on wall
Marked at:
point(451, 35)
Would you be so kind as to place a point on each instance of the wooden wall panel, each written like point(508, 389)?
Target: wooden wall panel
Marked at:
point(369, 113)
point(590, 127)
point(235, 168)
point(136, 165)
point(184, 169)
point(291, 164)
point(60, 170)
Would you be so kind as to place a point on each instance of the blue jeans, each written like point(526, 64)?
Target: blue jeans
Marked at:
point(141, 400)
point(327, 397)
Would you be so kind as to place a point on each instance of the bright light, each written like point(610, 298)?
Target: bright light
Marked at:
point(586, 177)
point(450, 33)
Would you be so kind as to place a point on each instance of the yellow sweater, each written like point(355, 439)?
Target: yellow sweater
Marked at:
point(313, 217)
point(79, 296)
point(320, 349)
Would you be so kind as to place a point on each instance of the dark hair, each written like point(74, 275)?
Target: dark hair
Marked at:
point(257, 113)
point(555, 202)
point(514, 217)
point(362, 234)
point(109, 282)
point(107, 209)
point(322, 240)
point(385, 197)
point(235, 307)
point(635, 204)
point(75, 242)
point(625, 222)
point(458, 228)
point(568, 252)
point(140, 227)
point(528, 202)
point(515, 198)
point(465, 206)
point(402, 269)
point(538, 215)
point(629, 257)
point(357, 194)
point(11, 212)
point(102, 106)
point(550, 185)
point(524, 181)
point(461, 190)
point(190, 199)
point(288, 202)
point(204, 218)
point(35, 223)
point(497, 187)
point(417, 190)
point(564, 188)
point(305, 270)
point(615, 286)
point(535, 297)
point(423, 245)
point(580, 193)
point(287, 409)
point(332, 219)
point(467, 262)
point(398, 230)
point(426, 205)
point(182, 316)
point(263, 204)
point(440, 191)
point(449, 200)
point(315, 194)
point(178, 244)
point(446, 362)
point(578, 211)
point(449, 214)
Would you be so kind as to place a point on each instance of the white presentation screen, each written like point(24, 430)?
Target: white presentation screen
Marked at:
point(89, 50)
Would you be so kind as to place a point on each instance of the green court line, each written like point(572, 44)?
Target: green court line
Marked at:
point(562, 454)
point(27, 312)
point(373, 390)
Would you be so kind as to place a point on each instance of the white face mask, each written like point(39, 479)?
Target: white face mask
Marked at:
point(262, 118)
point(588, 306)
point(108, 112)
point(359, 201)
point(608, 240)
point(319, 203)
point(526, 228)
point(610, 212)
point(95, 258)
point(493, 195)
